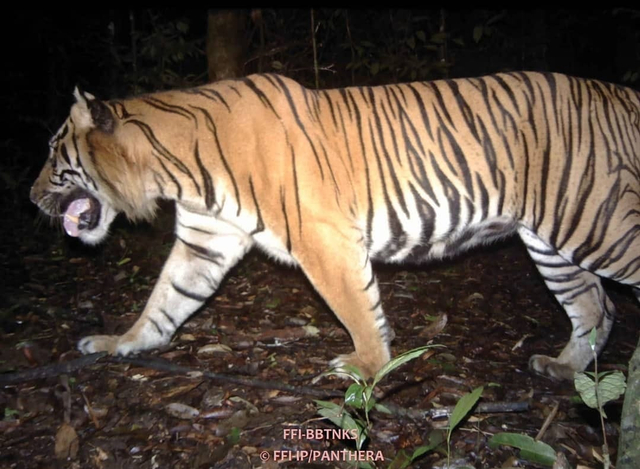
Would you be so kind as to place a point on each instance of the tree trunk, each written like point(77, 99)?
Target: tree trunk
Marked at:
point(629, 444)
point(225, 43)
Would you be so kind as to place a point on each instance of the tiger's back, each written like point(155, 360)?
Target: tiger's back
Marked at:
point(331, 179)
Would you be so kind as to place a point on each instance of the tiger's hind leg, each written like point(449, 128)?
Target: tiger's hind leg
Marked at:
point(337, 265)
point(581, 295)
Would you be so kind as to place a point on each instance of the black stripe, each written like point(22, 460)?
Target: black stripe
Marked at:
point(259, 224)
point(209, 189)
point(169, 318)
point(261, 95)
point(162, 150)
point(204, 253)
point(199, 230)
point(189, 294)
point(157, 326)
point(88, 178)
point(423, 110)
point(301, 126)
point(173, 179)
point(365, 162)
point(296, 189)
point(209, 94)
point(69, 172)
point(283, 206)
point(546, 162)
point(371, 282)
point(65, 154)
point(170, 108)
point(212, 127)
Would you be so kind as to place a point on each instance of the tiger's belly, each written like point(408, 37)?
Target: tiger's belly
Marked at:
point(412, 243)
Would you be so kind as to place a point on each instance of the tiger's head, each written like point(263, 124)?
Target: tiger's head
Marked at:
point(93, 171)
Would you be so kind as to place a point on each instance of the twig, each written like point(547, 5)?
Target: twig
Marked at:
point(164, 365)
point(160, 365)
point(547, 421)
point(90, 411)
point(49, 371)
point(482, 408)
point(315, 50)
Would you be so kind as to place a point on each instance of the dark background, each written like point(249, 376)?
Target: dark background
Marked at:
point(47, 53)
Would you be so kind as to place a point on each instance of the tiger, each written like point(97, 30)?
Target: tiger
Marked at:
point(331, 180)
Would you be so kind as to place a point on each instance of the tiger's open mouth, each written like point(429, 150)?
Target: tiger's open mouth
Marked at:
point(80, 211)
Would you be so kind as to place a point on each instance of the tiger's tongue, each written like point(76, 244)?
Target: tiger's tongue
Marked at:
point(72, 215)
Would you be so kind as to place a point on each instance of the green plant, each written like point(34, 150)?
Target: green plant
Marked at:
point(460, 411)
point(161, 58)
point(535, 451)
point(353, 414)
point(596, 389)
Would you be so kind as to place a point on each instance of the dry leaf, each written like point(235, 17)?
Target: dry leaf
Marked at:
point(214, 348)
point(67, 443)
point(181, 411)
point(435, 327)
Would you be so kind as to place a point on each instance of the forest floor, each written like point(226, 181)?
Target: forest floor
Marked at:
point(266, 324)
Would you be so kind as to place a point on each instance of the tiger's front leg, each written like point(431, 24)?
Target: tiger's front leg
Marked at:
point(205, 249)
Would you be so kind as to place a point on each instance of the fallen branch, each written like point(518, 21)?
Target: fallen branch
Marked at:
point(49, 371)
point(159, 364)
point(548, 421)
point(165, 365)
point(443, 412)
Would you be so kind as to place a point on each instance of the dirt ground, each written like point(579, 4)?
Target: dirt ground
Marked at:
point(267, 324)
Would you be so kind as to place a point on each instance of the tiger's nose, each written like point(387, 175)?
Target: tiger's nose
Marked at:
point(33, 195)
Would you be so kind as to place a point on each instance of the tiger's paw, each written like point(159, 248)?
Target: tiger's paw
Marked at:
point(339, 363)
point(551, 367)
point(99, 343)
point(112, 344)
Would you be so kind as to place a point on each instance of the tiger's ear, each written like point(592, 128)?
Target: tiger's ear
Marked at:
point(89, 112)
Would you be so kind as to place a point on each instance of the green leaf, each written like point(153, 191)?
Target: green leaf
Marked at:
point(273, 303)
point(611, 385)
point(234, 436)
point(399, 361)
point(375, 68)
point(382, 408)
point(530, 449)
point(586, 387)
point(341, 418)
point(421, 35)
point(354, 396)
point(462, 408)
point(477, 33)
point(371, 402)
point(348, 370)
point(439, 37)
point(436, 438)
point(403, 460)
point(124, 261)
point(182, 27)
point(400, 461)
